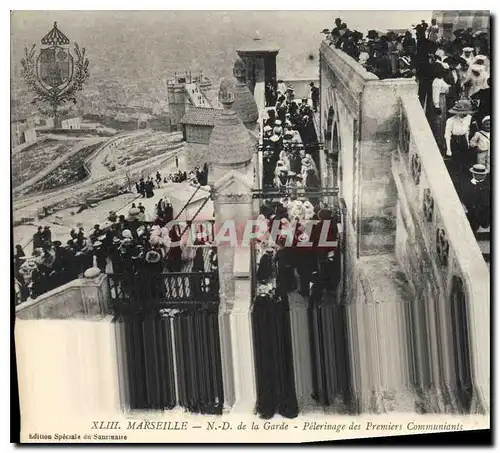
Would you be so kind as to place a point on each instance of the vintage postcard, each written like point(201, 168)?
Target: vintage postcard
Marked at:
point(250, 226)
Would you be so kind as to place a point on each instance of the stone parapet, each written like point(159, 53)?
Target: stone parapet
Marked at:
point(82, 298)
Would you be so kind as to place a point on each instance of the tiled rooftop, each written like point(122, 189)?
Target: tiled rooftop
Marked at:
point(201, 116)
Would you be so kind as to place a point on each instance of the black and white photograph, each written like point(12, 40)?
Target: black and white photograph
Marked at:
point(279, 215)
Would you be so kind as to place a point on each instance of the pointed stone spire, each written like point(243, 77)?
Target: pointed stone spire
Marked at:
point(230, 144)
point(244, 102)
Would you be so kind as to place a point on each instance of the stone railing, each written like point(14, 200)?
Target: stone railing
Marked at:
point(438, 251)
point(82, 298)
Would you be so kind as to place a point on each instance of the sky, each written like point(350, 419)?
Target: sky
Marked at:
point(155, 44)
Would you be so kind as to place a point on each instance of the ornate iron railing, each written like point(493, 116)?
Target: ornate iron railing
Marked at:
point(141, 292)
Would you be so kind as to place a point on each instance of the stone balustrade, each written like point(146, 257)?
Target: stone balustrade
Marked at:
point(85, 297)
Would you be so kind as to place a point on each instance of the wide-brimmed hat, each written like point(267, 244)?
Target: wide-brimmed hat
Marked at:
point(269, 250)
point(325, 31)
point(134, 211)
point(116, 240)
point(56, 243)
point(277, 123)
point(486, 119)
point(292, 173)
point(153, 257)
point(478, 169)
point(267, 128)
point(127, 234)
point(468, 49)
point(97, 244)
point(462, 107)
point(274, 138)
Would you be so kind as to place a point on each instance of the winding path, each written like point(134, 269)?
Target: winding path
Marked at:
point(26, 207)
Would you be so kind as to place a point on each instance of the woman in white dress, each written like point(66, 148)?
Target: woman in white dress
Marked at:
point(438, 117)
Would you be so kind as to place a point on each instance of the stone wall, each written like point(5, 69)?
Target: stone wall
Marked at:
point(69, 366)
point(81, 298)
point(366, 117)
point(437, 251)
point(416, 285)
point(198, 134)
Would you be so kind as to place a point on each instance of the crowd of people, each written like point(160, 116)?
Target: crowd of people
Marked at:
point(122, 244)
point(288, 143)
point(295, 250)
point(196, 177)
point(454, 89)
point(393, 55)
point(288, 131)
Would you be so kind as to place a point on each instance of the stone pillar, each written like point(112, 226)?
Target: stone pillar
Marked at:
point(233, 207)
point(241, 334)
point(301, 343)
point(95, 294)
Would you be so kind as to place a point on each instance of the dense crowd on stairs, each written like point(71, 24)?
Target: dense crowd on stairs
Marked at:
point(289, 142)
point(291, 260)
point(288, 131)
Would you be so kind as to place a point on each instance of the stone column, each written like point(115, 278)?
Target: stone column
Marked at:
point(95, 294)
point(233, 206)
point(241, 334)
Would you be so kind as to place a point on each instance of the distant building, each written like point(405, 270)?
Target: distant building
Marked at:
point(197, 124)
point(70, 122)
point(47, 122)
point(184, 93)
point(142, 120)
point(122, 116)
point(22, 131)
point(449, 21)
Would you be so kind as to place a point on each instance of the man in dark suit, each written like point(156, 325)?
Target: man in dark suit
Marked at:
point(476, 198)
point(314, 96)
point(38, 238)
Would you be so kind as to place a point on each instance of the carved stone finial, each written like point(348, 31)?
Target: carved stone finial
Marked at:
point(226, 93)
point(239, 70)
point(92, 272)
